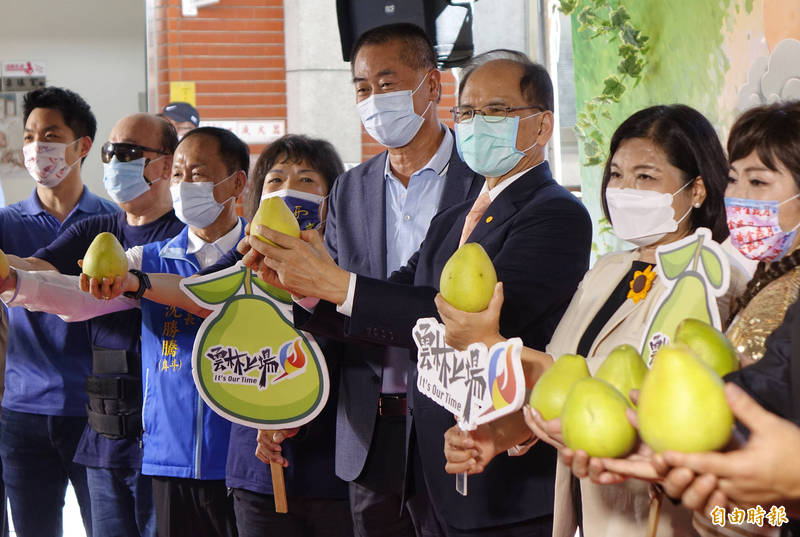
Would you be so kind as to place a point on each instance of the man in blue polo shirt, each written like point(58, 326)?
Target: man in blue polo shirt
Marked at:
point(137, 162)
point(48, 360)
point(185, 443)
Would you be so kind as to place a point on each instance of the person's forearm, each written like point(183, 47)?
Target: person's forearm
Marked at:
point(165, 289)
point(510, 431)
point(31, 264)
point(534, 364)
point(56, 293)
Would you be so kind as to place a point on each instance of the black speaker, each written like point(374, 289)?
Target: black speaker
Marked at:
point(448, 24)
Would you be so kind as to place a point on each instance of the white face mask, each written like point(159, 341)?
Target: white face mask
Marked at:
point(390, 118)
point(46, 162)
point(194, 203)
point(642, 217)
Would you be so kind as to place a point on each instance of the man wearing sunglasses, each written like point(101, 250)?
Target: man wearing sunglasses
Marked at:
point(185, 444)
point(137, 160)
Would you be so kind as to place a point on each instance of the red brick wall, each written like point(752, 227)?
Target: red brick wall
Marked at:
point(370, 147)
point(233, 50)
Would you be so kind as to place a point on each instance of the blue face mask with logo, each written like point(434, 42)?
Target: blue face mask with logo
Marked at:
point(305, 206)
point(124, 181)
point(490, 147)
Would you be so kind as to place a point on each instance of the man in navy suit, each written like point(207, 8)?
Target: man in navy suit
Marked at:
point(538, 237)
point(378, 215)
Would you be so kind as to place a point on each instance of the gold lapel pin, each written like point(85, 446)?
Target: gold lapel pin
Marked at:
point(489, 219)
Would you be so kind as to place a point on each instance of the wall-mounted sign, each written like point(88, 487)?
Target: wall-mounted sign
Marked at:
point(189, 7)
point(255, 131)
point(22, 75)
point(182, 91)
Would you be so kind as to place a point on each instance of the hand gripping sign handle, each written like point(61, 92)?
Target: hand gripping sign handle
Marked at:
point(278, 488)
point(461, 479)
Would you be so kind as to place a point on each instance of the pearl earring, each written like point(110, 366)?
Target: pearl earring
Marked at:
point(697, 205)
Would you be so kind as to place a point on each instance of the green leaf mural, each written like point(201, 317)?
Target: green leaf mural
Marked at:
point(632, 54)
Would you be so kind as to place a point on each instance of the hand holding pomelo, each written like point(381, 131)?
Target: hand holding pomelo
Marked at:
point(105, 258)
point(468, 278)
point(274, 214)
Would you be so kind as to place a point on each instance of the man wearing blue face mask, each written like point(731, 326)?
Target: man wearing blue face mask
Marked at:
point(137, 161)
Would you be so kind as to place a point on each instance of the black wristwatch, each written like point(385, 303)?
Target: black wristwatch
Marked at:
point(144, 284)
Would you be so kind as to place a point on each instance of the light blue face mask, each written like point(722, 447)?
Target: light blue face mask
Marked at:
point(124, 181)
point(490, 148)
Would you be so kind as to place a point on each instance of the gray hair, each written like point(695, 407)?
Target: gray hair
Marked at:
point(535, 84)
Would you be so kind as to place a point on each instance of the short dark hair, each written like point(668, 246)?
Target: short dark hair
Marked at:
point(691, 144)
point(773, 132)
point(417, 51)
point(169, 136)
point(74, 109)
point(535, 85)
point(318, 153)
point(233, 151)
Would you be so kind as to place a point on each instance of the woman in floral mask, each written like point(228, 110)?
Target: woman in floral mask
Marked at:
point(664, 178)
point(763, 209)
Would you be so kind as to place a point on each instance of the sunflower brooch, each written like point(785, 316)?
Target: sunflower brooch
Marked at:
point(641, 283)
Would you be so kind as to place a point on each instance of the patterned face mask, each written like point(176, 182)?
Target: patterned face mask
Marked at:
point(754, 228)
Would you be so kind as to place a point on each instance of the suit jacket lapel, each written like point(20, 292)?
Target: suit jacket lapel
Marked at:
point(510, 200)
point(373, 208)
point(622, 313)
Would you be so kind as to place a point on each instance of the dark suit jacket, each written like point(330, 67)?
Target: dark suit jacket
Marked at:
point(539, 240)
point(774, 380)
point(355, 235)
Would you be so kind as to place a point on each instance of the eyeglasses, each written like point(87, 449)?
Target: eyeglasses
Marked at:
point(491, 114)
point(125, 152)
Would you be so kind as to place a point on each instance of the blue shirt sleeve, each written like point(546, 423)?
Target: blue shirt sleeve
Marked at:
point(63, 253)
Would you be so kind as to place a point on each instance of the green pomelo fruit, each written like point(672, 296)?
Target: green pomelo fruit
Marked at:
point(291, 398)
point(709, 344)
point(687, 300)
point(551, 390)
point(624, 369)
point(593, 420)
point(682, 405)
point(275, 214)
point(468, 278)
point(105, 258)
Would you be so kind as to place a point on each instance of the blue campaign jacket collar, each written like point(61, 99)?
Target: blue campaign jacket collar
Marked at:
point(87, 203)
point(176, 247)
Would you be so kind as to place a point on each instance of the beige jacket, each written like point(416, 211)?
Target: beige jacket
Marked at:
point(614, 510)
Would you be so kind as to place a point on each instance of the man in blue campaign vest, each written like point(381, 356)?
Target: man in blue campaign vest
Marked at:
point(137, 161)
point(47, 361)
point(185, 443)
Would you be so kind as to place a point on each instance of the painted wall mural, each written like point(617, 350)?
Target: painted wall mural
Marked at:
point(718, 56)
